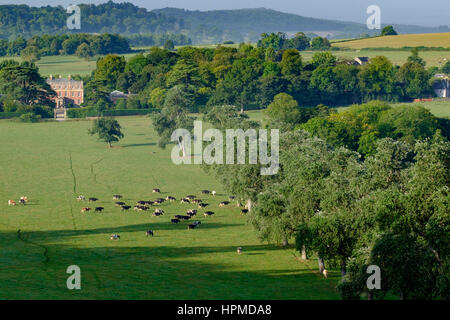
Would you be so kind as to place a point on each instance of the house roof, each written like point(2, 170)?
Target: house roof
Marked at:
point(441, 84)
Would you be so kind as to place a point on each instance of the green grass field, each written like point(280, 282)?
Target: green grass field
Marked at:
point(399, 41)
point(53, 162)
point(432, 58)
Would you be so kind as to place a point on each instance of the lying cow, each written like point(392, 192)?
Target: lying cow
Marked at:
point(93, 199)
point(81, 198)
point(11, 203)
point(170, 198)
point(124, 208)
point(184, 200)
point(224, 203)
point(206, 192)
point(202, 205)
point(117, 197)
point(115, 237)
point(99, 209)
point(24, 198)
point(156, 190)
point(175, 221)
point(149, 233)
point(119, 204)
point(160, 211)
point(190, 197)
point(83, 210)
point(208, 213)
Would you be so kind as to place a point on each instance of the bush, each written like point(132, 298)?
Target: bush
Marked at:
point(30, 117)
point(10, 115)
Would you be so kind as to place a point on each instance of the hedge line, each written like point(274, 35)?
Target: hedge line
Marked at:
point(83, 113)
point(10, 115)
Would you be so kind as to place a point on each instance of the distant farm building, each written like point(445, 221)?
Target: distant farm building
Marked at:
point(441, 87)
point(361, 61)
point(69, 92)
point(116, 95)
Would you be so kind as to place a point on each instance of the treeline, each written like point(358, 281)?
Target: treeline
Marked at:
point(82, 44)
point(121, 18)
point(158, 39)
point(388, 208)
point(251, 77)
point(280, 41)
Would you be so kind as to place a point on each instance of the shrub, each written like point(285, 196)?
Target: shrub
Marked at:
point(30, 117)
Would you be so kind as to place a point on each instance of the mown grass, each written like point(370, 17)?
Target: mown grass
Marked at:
point(53, 162)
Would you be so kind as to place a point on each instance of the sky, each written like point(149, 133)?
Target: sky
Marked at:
point(414, 12)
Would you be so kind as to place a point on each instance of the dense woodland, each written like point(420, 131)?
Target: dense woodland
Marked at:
point(388, 208)
point(121, 18)
point(250, 77)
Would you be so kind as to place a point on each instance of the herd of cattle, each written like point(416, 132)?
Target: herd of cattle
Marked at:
point(143, 206)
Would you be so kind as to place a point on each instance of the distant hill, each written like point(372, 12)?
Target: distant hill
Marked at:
point(248, 24)
point(201, 26)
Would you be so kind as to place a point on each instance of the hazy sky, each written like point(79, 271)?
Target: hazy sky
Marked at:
point(417, 12)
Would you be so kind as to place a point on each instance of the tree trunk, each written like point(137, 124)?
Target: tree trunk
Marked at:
point(249, 205)
point(304, 257)
point(370, 295)
point(343, 267)
point(285, 242)
point(110, 145)
point(321, 264)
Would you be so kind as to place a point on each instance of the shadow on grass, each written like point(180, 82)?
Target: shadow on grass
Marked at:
point(155, 272)
point(139, 145)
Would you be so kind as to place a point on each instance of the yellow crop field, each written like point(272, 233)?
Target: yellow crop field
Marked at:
point(399, 41)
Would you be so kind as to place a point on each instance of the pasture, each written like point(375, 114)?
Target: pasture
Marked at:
point(53, 162)
point(398, 41)
point(397, 57)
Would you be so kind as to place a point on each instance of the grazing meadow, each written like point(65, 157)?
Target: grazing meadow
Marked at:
point(52, 163)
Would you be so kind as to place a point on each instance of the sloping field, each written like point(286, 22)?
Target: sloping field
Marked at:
point(51, 163)
point(399, 41)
